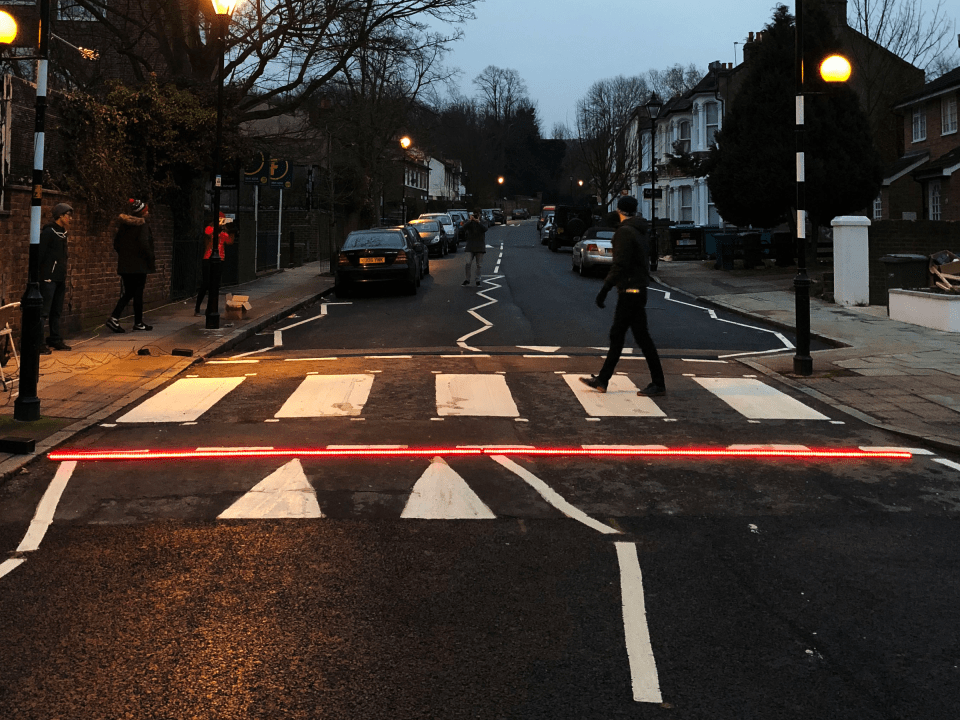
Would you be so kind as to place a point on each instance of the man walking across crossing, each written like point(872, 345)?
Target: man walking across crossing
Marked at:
point(476, 245)
point(630, 274)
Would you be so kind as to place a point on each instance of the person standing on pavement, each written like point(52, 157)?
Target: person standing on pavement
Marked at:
point(135, 260)
point(630, 274)
point(53, 274)
point(475, 246)
point(225, 238)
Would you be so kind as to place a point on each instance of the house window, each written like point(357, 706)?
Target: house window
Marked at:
point(919, 124)
point(878, 207)
point(934, 200)
point(686, 204)
point(948, 115)
point(683, 136)
point(70, 10)
point(713, 123)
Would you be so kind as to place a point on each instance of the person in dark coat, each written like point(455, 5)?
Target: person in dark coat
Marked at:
point(135, 260)
point(53, 274)
point(630, 274)
point(476, 245)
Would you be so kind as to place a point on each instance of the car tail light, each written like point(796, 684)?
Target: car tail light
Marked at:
point(343, 259)
point(401, 257)
point(592, 248)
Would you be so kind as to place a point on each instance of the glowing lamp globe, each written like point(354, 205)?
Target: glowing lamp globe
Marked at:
point(224, 7)
point(8, 28)
point(835, 68)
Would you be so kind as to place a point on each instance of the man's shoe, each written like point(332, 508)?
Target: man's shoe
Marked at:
point(465, 283)
point(59, 346)
point(44, 350)
point(593, 382)
point(652, 390)
point(198, 314)
point(142, 326)
point(113, 324)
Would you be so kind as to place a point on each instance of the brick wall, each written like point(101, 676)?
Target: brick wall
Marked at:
point(895, 237)
point(93, 285)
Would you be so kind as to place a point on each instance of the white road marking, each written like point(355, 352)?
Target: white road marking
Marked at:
point(553, 497)
point(285, 493)
point(540, 348)
point(757, 401)
point(643, 666)
point(328, 395)
point(183, 401)
point(10, 565)
point(620, 399)
point(462, 342)
point(474, 395)
point(441, 494)
point(311, 359)
point(47, 507)
point(885, 448)
point(552, 356)
point(948, 463)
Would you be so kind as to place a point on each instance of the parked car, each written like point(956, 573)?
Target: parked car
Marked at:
point(570, 223)
point(499, 217)
point(377, 255)
point(593, 250)
point(460, 218)
point(546, 226)
point(448, 227)
point(423, 257)
point(520, 213)
point(544, 212)
point(433, 236)
point(486, 217)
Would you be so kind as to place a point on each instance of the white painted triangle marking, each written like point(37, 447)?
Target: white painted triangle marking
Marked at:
point(540, 348)
point(285, 493)
point(441, 494)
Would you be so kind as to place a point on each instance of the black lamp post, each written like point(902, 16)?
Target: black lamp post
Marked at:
point(405, 143)
point(834, 69)
point(653, 105)
point(223, 8)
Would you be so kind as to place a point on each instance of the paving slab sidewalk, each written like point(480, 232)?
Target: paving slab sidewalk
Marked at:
point(105, 371)
point(900, 377)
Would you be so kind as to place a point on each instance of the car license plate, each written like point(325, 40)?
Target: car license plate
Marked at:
point(686, 242)
point(371, 260)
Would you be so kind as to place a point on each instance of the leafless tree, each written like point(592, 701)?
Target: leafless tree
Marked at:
point(560, 131)
point(502, 92)
point(923, 36)
point(608, 150)
point(278, 52)
point(674, 80)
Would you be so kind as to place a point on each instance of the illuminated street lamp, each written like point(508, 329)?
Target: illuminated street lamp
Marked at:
point(224, 9)
point(8, 28)
point(405, 143)
point(835, 68)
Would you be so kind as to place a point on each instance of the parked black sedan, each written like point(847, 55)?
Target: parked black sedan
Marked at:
point(433, 236)
point(377, 255)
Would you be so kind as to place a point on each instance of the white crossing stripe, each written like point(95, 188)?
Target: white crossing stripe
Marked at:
point(328, 395)
point(474, 395)
point(620, 399)
point(441, 494)
point(184, 401)
point(756, 401)
point(285, 493)
point(643, 666)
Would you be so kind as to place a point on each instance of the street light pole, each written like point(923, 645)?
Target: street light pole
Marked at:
point(653, 110)
point(802, 362)
point(27, 405)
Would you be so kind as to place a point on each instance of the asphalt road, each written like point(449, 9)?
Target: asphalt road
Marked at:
point(272, 552)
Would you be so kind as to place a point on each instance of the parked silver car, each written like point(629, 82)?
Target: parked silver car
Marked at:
point(593, 250)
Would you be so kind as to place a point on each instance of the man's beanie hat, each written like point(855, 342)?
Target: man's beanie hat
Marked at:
point(60, 210)
point(627, 204)
point(136, 205)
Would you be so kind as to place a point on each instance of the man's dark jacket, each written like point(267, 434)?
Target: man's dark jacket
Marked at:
point(474, 232)
point(53, 253)
point(631, 256)
point(134, 245)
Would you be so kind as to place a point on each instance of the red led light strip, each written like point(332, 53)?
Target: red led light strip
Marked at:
point(223, 453)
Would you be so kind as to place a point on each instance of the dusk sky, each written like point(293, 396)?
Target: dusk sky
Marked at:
point(561, 47)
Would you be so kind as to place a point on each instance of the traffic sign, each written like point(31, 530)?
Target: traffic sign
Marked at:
point(647, 194)
point(279, 173)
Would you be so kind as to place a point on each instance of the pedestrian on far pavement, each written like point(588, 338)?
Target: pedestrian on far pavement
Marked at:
point(475, 246)
point(135, 260)
point(225, 238)
point(630, 274)
point(53, 274)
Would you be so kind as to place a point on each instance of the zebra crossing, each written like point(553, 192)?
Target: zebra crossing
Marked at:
point(492, 395)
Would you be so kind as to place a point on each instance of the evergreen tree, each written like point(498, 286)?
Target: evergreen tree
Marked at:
point(752, 171)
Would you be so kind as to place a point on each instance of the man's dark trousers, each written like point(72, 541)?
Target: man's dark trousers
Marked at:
point(53, 294)
point(631, 313)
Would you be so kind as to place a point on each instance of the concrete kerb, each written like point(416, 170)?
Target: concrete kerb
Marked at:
point(45, 445)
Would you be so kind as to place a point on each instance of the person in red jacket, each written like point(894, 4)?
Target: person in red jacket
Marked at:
point(225, 238)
